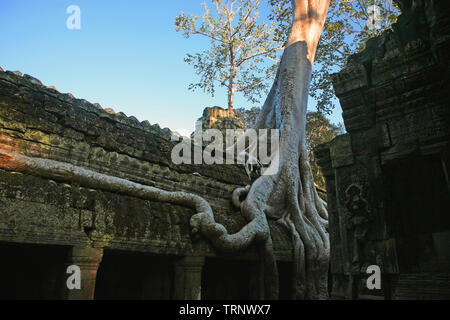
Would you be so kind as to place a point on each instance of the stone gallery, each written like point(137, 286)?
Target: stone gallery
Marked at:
point(93, 207)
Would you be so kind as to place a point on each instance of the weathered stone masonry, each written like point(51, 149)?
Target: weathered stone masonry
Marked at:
point(388, 177)
point(66, 223)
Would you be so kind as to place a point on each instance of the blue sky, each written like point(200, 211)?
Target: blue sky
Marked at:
point(127, 56)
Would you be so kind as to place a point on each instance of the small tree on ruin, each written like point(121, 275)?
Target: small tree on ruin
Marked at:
point(240, 48)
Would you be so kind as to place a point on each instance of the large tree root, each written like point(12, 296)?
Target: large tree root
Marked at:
point(290, 196)
point(202, 221)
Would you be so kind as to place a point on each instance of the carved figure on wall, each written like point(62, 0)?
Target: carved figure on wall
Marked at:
point(357, 222)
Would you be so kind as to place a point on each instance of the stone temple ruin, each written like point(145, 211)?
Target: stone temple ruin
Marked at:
point(127, 247)
point(387, 179)
point(388, 188)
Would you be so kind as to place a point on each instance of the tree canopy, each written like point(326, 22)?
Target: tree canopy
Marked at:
point(349, 25)
point(248, 116)
point(241, 46)
point(319, 130)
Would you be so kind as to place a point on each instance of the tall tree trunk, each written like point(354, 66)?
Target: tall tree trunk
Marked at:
point(290, 196)
point(231, 96)
point(231, 80)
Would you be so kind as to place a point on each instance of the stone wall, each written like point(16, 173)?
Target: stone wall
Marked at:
point(387, 178)
point(38, 121)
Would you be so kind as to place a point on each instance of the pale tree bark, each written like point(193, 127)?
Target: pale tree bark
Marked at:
point(231, 84)
point(231, 98)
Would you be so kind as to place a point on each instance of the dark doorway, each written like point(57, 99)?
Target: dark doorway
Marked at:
point(31, 272)
point(419, 213)
point(133, 276)
point(229, 280)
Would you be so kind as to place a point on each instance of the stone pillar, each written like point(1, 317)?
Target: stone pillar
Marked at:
point(188, 278)
point(88, 260)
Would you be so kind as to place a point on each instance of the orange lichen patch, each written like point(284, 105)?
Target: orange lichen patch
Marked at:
point(24, 146)
point(8, 148)
point(110, 111)
point(8, 160)
point(9, 142)
point(53, 88)
point(11, 160)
